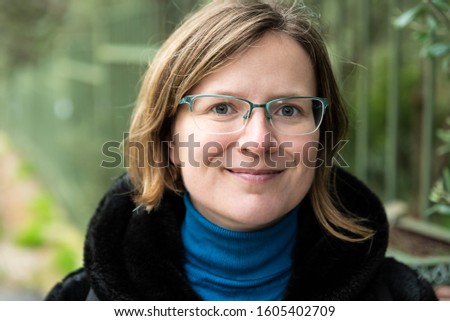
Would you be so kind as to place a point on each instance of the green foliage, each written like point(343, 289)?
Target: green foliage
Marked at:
point(25, 170)
point(46, 229)
point(66, 259)
point(42, 208)
point(410, 15)
point(444, 135)
point(440, 194)
point(42, 214)
point(32, 235)
point(431, 23)
point(437, 50)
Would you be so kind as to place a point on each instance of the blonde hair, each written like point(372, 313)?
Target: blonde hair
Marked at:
point(201, 45)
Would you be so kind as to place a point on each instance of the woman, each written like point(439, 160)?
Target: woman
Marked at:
point(231, 193)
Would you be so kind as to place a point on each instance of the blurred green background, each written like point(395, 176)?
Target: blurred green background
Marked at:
point(70, 73)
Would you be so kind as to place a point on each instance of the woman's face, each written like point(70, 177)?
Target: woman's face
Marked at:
point(251, 178)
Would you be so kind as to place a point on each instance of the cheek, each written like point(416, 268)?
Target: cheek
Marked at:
point(310, 151)
point(184, 141)
point(305, 150)
point(194, 149)
point(210, 153)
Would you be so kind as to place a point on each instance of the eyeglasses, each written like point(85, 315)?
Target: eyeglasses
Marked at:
point(221, 114)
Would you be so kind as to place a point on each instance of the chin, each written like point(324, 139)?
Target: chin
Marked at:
point(249, 221)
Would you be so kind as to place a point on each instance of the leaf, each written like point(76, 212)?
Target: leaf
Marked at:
point(446, 66)
point(443, 135)
point(438, 208)
point(438, 49)
point(443, 5)
point(432, 23)
point(408, 16)
point(446, 179)
point(443, 150)
point(437, 191)
point(422, 36)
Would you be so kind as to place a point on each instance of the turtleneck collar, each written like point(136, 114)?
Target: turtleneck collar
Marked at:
point(227, 265)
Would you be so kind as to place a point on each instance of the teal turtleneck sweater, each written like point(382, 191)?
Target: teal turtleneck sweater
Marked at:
point(229, 265)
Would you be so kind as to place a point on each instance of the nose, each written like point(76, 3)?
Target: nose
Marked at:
point(257, 135)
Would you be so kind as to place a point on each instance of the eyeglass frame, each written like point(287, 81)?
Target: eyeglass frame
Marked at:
point(189, 99)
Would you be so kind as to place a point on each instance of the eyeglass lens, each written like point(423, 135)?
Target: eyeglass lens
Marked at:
point(293, 116)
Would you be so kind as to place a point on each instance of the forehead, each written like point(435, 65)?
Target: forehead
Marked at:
point(276, 65)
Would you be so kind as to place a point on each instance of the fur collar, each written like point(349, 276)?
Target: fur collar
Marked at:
point(131, 254)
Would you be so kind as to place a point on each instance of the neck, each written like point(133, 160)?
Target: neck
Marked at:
point(237, 261)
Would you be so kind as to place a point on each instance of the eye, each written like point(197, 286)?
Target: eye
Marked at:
point(289, 111)
point(222, 109)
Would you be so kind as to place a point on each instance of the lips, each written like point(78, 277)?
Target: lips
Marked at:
point(254, 175)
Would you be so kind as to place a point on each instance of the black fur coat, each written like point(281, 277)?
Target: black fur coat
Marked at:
point(131, 254)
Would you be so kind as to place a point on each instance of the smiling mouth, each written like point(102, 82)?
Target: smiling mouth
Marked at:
point(254, 175)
